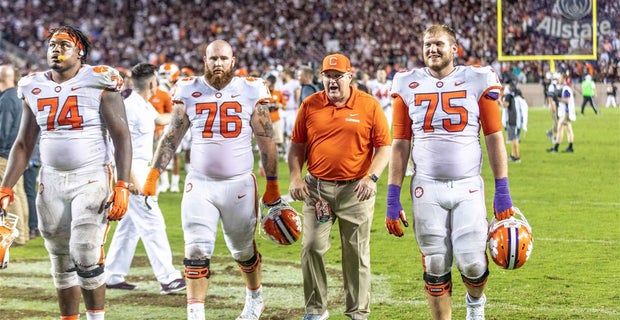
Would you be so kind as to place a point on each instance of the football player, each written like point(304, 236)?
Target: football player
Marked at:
point(78, 110)
point(222, 112)
point(442, 108)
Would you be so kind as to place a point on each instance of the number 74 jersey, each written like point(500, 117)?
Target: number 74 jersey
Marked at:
point(73, 134)
point(445, 117)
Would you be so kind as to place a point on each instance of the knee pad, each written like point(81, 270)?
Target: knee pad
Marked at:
point(477, 282)
point(438, 285)
point(197, 268)
point(63, 272)
point(251, 265)
point(472, 266)
point(91, 277)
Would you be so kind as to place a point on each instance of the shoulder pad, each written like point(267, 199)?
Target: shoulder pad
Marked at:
point(481, 69)
point(109, 77)
point(26, 80)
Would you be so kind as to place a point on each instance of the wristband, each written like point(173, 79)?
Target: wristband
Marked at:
point(393, 202)
point(502, 201)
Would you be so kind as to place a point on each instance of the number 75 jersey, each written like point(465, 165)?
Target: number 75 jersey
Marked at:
point(445, 117)
point(73, 134)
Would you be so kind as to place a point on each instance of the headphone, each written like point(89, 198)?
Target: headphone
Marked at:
point(81, 53)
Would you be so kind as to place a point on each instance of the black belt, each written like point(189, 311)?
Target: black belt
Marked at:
point(337, 182)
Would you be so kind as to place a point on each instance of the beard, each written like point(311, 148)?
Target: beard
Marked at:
point(438, 66)
point(218, 81)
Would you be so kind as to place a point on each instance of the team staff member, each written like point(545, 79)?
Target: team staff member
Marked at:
point(441, 107)
point(10, 117)
point(346, 137)
point(144, 220)
point(223, 112)
point(76, 108)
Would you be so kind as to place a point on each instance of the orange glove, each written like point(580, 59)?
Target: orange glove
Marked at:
point(118, 201)
point(150, 186)
point(272, 191)
point(6, 198)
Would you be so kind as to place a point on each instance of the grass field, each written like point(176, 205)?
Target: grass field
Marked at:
point(572, 202)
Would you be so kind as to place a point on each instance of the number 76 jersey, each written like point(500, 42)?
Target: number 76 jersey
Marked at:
point(445, 117)
point(220, 123)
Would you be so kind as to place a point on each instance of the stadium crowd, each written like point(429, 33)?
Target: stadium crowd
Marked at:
point(289, 33)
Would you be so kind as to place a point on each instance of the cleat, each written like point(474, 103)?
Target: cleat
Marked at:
point(121, 286)
point(569, 150)
point(552, 150)
point(172, 287)
point(475, 310)
point(253, 308)
point(322, 316)
point(514, 159)
point(175, 188)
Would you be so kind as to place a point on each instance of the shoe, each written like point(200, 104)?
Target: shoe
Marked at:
point(175, 188)
point(475, 311)
point(552, 150)
point(514, 159)
point(549, 135)
point(172, 287)
point(34, 233)
point(121, 286)
point(253, 308)
point(322, 316)
point(569, 150)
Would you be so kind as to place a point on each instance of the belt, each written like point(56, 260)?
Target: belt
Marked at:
point(337, 182)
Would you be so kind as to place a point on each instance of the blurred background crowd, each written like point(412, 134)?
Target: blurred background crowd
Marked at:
point(289, 33)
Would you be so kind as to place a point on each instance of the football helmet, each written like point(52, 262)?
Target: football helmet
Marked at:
point(8, 233)
point(510, 241)
point(282, 223)
point(169, 72)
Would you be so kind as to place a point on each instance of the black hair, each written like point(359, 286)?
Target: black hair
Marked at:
point(141, 73)
point(79, 35)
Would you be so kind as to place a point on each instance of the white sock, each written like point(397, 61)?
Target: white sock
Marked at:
point(95, 315)
point(196, 311)
point(254, 293)
point(175, 179)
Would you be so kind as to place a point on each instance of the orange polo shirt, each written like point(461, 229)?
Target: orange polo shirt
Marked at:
point(340, 141)
point(162, 103)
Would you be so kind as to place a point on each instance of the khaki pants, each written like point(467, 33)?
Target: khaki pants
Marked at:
point(355, 219)
point(19, 206)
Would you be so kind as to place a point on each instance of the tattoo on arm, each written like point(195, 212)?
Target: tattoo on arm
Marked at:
point(263, 126)
point(171, 139)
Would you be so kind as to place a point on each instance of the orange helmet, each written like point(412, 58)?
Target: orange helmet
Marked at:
point(282, 223)
point(8, 233)
point(510, 241)
point(169, 72)
point(187, 71)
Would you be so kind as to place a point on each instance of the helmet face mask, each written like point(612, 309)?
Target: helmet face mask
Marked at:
point(510, 241)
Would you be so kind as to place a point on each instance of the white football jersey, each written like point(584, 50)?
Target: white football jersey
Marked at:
point(446, 118)
point(220, 124)
point(73, 134)
point(381, 91)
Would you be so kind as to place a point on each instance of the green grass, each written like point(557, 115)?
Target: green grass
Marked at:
point(572, 202)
